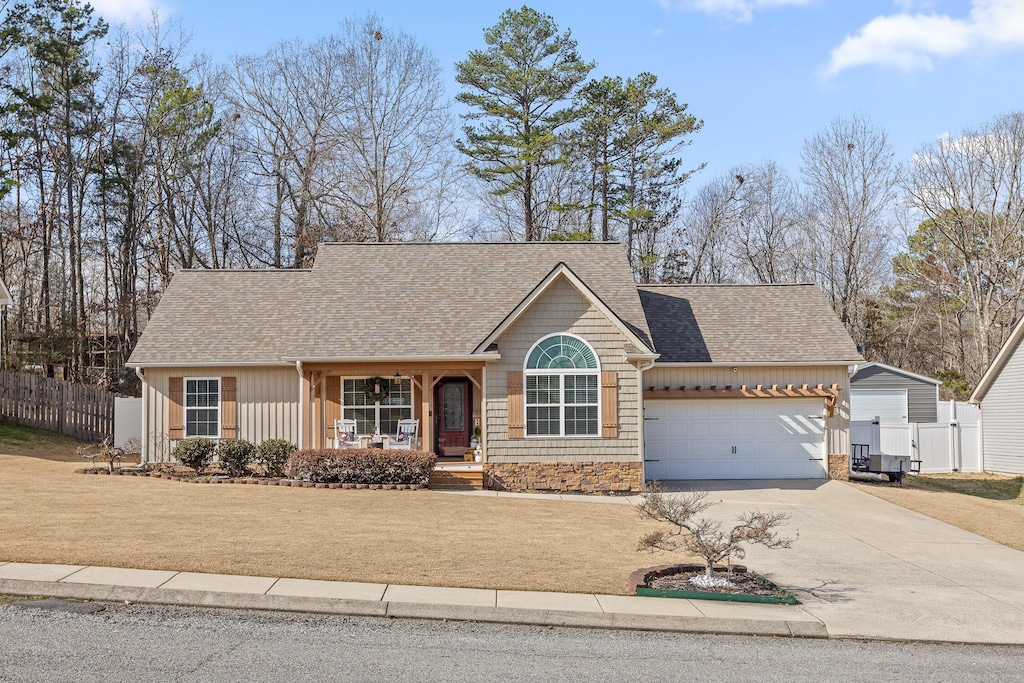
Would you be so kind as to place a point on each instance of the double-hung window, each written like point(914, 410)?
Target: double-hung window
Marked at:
point(382, 416)
point(202, 407)
point(561, 383)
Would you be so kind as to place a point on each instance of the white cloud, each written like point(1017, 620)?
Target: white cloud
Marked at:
point(737, 10)
point(911, 5)
point(128, 11)
point(912, 41)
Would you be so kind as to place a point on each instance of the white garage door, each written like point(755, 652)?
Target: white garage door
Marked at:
point(888, 404)
point(735, 439)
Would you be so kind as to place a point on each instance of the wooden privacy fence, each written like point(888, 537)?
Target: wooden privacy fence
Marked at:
point(56, 405)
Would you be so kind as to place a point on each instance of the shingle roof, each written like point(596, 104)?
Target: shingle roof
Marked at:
point(443, 298)
point(223, 316)
point(373, 300)
point(745, 324)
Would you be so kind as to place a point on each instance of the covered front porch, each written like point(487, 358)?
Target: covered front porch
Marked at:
point(446, 397)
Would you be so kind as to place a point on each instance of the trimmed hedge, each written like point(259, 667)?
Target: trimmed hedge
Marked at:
point(361, 466)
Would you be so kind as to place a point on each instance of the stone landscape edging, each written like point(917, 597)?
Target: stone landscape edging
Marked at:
point(261, 481)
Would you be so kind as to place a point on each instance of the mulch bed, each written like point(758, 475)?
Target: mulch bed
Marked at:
point(675, 577)
point(253, 481)
point(744, 583)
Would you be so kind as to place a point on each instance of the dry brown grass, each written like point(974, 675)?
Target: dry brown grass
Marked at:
point(50, 514)
point(989, 505)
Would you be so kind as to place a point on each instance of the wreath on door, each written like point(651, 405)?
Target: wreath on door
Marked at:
point(377, 389)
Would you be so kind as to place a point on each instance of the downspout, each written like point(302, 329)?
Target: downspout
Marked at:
point(643, 367)
point(298, 369)
point(144, 455)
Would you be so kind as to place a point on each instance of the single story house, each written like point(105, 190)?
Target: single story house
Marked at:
point(892, 394)
point(1002, 411)
point(576, 377)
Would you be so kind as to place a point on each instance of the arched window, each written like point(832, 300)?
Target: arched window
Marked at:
point(561, 382)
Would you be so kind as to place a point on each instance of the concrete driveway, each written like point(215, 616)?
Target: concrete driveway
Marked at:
point(868, 568)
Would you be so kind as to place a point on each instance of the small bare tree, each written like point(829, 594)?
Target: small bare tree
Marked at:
point(703, 537)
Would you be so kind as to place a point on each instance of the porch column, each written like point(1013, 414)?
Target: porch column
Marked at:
point(304, 410)
point(321, 426)
point(426, 408)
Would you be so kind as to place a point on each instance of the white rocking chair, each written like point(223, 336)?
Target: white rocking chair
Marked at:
point(345, 434)
point(405, 437)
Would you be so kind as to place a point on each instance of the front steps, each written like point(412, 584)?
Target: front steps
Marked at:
point(457, 476)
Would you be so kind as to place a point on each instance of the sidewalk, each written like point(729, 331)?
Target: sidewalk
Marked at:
point(418, 602)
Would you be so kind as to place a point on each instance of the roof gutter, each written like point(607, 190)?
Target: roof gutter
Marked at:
point(213, 363)
point(648, 358)
point(390, 359)
point(754, 364)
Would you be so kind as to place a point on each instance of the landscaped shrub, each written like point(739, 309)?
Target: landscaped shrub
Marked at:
point(273, 454)
point(236, 455)
point(361, 466)
point(195, 452)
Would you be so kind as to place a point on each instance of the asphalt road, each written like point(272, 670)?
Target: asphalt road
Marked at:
point(56, 640)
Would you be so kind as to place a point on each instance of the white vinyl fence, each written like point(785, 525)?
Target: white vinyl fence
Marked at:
point(940, 447)
point(127, 420)
point(959, 411)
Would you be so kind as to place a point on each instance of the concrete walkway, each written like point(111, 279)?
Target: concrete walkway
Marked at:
point(382, 600)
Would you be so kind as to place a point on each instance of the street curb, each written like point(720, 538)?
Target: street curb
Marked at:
point(409, 610)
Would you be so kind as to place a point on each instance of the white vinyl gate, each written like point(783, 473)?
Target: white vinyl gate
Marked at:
point(941, 447)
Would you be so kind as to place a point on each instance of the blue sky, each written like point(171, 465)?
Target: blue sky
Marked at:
point(762, 74)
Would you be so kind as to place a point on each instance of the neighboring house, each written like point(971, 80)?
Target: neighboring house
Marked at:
point(550, 348)
point(892, 394)
point(1002, 410)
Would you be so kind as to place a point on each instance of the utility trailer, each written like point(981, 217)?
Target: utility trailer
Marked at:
point(895, 467)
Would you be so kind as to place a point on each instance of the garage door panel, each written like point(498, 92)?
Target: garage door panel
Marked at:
point(772, 438)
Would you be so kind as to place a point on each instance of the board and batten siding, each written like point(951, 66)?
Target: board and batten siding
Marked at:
point(561, 308)
point(266, 400)
point(838, 427)
point(1002, 418)
point(922, 397)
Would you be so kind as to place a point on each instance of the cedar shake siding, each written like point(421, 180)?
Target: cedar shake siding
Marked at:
point(266, 404)
point(837, 427)
point(561, 308)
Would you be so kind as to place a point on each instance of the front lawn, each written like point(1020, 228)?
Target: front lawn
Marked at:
point(990, 505)
point(981, 484)
point(49, 514)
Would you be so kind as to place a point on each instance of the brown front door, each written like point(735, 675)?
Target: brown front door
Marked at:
point(452, 423)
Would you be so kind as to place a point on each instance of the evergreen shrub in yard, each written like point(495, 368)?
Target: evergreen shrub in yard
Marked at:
point(361, 466)
point(195, 452)
point(236, 455)
point(273, 455)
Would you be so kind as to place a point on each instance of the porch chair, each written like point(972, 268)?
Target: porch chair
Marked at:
point(408, 432)
point(345, 434)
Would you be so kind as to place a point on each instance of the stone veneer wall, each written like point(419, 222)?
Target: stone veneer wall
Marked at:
point(839, 467)
point(589, 477)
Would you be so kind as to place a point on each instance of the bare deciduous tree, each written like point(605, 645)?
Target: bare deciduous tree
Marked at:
point(970, 247)
point(703, 537)
point(766, 237)
point(850, 180)
point(397, 133)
